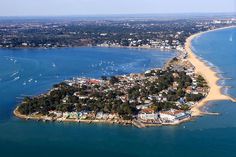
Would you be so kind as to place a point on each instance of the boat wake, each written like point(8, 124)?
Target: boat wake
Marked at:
point(14, 74)
point(11, 59)
point(231, 38)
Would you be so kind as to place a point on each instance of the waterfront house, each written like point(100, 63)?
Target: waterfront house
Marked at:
point(173, 115)
point(73, 115)
point(148, 114)
point(202, 90)
point(101, 115)
point(83, 114)
point(65, 115)
point(57, 114)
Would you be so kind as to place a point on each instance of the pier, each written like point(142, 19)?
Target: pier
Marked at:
point(138, 124)
point(212, 113)
point(233, 99)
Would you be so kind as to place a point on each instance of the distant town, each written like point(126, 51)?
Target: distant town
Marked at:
point(141, 33)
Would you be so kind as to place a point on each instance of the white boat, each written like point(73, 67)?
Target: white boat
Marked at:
point(17, 78)
point(53, 65)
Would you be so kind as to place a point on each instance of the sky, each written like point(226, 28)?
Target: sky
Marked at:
point(110, 7)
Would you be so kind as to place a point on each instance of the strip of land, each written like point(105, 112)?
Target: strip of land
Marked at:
point(156, 97)
point(211, 76)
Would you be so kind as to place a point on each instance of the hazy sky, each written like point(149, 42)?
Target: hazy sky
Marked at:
point(96, 7)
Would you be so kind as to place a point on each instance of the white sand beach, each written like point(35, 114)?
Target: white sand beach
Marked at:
point(215, 92)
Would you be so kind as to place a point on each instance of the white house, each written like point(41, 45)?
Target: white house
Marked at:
point(173, 115)
point(101, 115)
point(57, 114)
point(144, 106)
point(148, 114)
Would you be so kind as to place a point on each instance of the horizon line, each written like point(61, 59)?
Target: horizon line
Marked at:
point(124, 14)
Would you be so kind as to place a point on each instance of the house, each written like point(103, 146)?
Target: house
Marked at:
point(65, 115)
point(73, 115)
point(101, 115)
point(173, 115)
point(190, 103)
point(80, 96)
point(82, 114)
point(203, 90)
point(182, 100)
point(148, 114)
point(175, 85)
point(93, 81)
point(146, 101)
point(175, 75)
point(57, 114)
point(144, 106)
point(189, 90)
point(65, 99)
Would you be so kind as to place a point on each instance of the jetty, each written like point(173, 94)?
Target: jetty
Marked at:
point(233, 99)
point(138, 124)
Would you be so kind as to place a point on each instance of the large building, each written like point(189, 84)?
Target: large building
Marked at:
point(173, 115)
point(148, 114)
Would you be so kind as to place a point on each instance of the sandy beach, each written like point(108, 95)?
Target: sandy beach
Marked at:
point(211, 76)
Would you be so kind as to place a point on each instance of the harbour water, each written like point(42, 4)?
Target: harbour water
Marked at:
point(211, 136)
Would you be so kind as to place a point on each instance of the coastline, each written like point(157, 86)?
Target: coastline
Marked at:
point(45, 118)
point(88, 121)
point(201, 67)
point(210, 75)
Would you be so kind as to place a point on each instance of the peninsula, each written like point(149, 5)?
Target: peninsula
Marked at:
point(157, 97)
point(166, 96)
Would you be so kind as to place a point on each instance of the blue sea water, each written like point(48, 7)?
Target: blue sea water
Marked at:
point(211, 136)
point(34, 71)
point(219, 49)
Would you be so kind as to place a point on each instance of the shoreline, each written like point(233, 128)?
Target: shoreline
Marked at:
point(45, 118)
point(211, 76)
point(95, 46)
point(99, 121)
point(201, 67)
